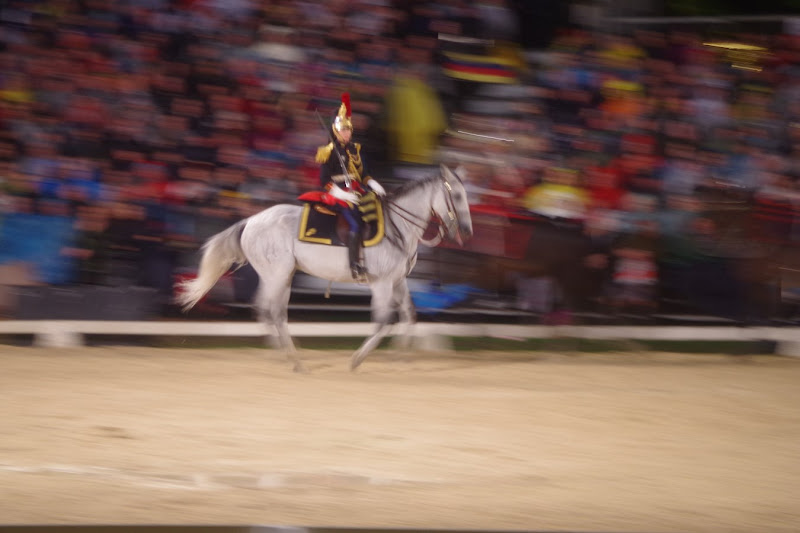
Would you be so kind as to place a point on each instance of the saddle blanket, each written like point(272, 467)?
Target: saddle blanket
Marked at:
point(320, 224)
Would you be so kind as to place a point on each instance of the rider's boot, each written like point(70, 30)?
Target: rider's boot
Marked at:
point(354, 251)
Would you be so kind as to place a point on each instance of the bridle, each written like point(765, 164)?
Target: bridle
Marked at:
point(444, 227)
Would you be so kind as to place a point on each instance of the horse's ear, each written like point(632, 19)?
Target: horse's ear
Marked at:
point(449, 174)
point(446, 172)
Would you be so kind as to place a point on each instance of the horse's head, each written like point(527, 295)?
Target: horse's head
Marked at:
point(452, 207)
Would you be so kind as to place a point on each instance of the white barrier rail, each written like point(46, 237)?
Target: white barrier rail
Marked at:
point(66, 333)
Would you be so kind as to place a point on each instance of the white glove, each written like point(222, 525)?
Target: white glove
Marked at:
point(377, 187)
point(341, 194)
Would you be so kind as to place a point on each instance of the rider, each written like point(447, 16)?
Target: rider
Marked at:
point(344, 178)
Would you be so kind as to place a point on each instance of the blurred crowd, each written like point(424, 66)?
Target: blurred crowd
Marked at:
point(132, 130)
point(676, 151)
point(146, 126)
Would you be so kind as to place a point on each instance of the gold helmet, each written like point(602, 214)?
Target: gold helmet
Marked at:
point(342, 120)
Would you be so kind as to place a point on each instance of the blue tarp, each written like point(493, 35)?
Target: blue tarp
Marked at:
point(434, 297)
point(39, 240)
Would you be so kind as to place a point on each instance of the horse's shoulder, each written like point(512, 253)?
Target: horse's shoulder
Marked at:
point(324, 152)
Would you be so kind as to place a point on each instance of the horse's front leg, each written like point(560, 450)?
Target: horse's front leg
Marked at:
point(406, 314)
point(381, 315)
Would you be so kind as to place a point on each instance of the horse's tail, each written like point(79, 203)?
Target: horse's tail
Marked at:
point(219, 253)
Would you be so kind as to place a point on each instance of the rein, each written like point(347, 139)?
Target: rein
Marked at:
point(421, 222)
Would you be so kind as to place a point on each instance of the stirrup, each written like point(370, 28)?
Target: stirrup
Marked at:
point(358, 271)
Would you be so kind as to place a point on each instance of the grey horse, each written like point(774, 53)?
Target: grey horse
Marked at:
point(268, 241)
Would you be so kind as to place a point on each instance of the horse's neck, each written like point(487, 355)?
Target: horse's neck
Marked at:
point(418, 201)
point(412, 211)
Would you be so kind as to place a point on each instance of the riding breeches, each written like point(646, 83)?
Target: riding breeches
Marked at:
point(353, 217)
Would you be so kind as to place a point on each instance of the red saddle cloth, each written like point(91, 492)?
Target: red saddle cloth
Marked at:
point(319, 197)
point(322, 197)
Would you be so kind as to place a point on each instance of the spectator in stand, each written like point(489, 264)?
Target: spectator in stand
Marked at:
point(634, 271)
point(681, 171)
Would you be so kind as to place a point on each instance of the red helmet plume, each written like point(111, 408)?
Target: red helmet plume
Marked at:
point(342, 121)
point(346, 102)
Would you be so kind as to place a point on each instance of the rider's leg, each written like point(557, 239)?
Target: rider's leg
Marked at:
point(352, 216)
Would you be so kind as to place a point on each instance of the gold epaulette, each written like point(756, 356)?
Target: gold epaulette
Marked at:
point(324, 152)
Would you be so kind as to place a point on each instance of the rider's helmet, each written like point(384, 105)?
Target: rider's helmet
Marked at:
point(342, 120)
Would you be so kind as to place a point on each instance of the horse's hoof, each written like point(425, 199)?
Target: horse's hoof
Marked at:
point(300, 368)
point(402, 344)
point(356, 361)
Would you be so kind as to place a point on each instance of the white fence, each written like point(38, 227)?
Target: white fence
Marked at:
point(66, 333)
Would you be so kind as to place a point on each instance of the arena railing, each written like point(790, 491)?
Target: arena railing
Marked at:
point(425, 335)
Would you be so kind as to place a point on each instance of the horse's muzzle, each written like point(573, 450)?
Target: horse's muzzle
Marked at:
point(461, 234)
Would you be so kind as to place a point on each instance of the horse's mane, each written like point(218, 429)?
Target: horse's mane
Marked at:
point(412, 185)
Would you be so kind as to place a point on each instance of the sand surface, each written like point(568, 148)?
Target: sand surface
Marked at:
point(590, 442)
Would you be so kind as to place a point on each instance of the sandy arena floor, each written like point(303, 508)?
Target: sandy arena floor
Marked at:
point(614, 442)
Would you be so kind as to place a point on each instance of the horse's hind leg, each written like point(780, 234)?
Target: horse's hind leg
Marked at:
point(381, 314)
point(273, 303)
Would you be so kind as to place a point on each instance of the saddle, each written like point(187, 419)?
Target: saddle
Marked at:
point(320, 224)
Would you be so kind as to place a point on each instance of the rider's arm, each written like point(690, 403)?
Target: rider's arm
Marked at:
point(366, 180)
point(327, 170)
point(365, 177)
